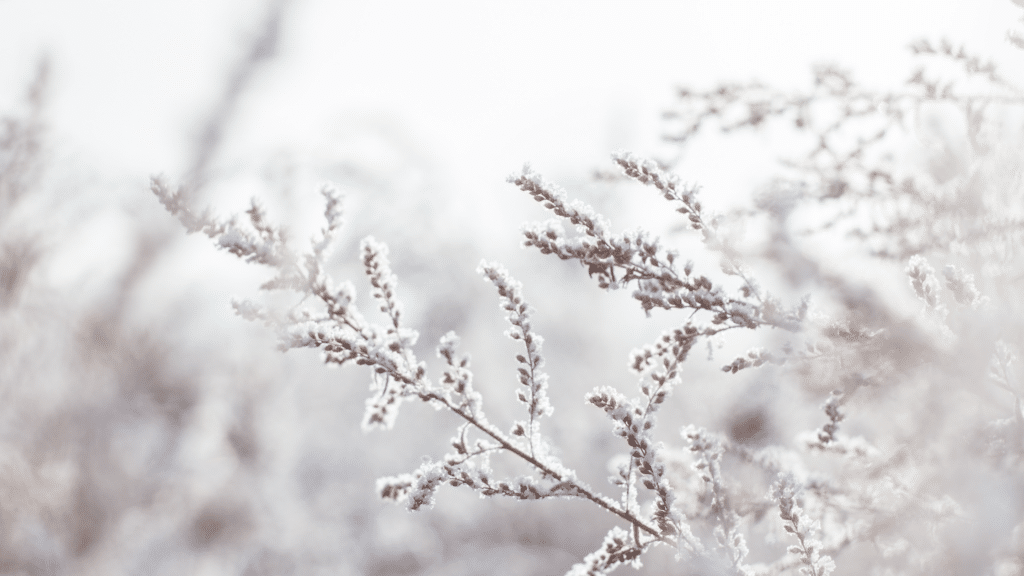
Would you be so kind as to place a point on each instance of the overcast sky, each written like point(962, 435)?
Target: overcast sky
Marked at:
point(477, 87)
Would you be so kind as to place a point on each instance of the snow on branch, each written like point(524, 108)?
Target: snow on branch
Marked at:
point(536, 382)
point(709, 502)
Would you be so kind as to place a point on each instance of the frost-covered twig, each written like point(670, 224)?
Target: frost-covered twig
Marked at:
point(536, 382)
point(709, 450)
point(644, 260)
point(801, 527)
point(345, 335)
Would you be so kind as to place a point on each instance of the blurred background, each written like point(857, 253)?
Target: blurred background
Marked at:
point(145, 429)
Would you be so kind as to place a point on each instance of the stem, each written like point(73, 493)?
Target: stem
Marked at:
point(807, 554)
point(533, 389)
point(497, 436)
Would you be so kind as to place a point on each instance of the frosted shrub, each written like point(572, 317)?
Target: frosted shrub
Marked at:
point(914, 465)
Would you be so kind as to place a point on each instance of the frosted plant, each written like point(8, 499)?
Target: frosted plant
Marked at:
point(21, 152)
point(882, 398)
point(618, 259)
point(801, 527)
point(959, 211)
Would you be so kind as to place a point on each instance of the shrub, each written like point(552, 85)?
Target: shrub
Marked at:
point(915, 463)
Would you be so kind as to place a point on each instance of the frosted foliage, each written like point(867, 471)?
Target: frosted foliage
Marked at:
point(885, 405)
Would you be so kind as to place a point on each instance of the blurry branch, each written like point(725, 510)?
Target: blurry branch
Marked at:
point(1013, 36)
point(21, 141)
point(263, 48)
point(87, 392)
point(851, 129)
point(51, 349)
point(20, 144)
point(837, 101)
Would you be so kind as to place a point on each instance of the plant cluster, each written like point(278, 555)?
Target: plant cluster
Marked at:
point(910, 430)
